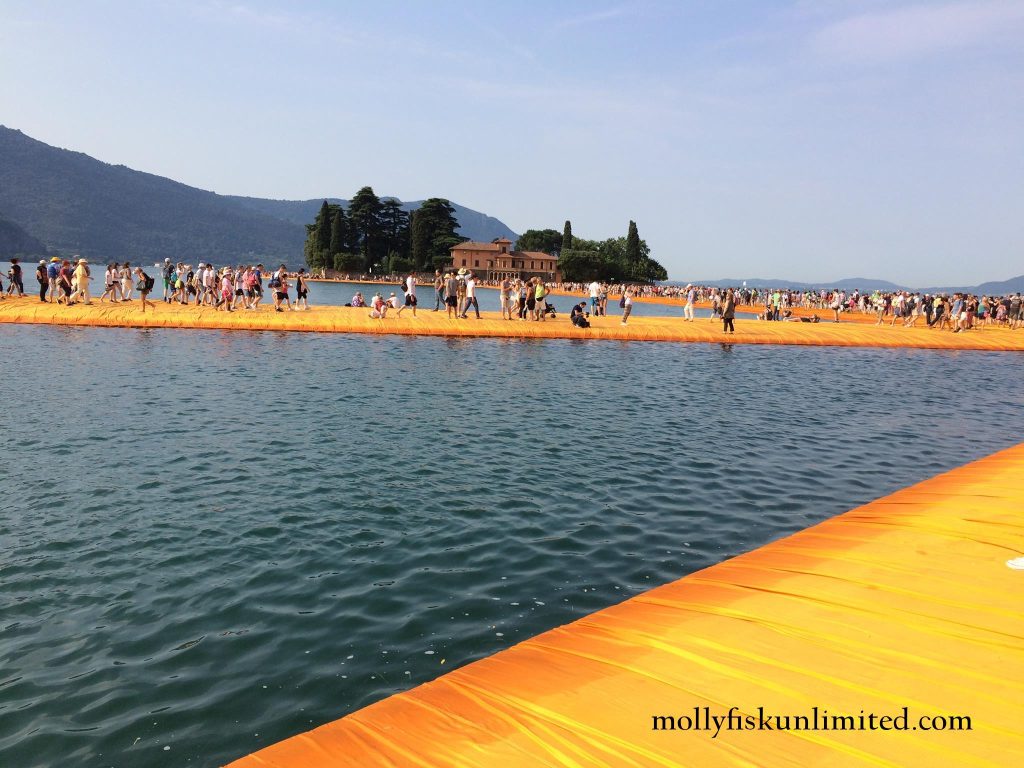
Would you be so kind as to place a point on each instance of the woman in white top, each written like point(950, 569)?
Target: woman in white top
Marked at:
point(126, 282)
point(111, 283)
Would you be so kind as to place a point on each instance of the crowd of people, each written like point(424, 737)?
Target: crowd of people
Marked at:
point(69, 281)
point(455, 292)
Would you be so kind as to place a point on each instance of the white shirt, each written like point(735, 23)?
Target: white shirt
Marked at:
point(394, 302)
point(595, 289)
point(470, 288)
point(410, 284)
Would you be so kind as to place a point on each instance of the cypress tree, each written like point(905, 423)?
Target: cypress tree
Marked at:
point(337, 244)
point(633, 253)
point(323, 227)
point(567, 236)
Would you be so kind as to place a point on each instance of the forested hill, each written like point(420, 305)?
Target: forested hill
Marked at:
point(472, 224)
point(77, 204)
point(15, 241)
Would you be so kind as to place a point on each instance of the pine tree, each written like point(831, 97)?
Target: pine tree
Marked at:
point(434, 231)
point(394, 224)
point(567, 236)
point(364, 225)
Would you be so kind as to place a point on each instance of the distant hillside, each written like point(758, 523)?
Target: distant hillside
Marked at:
point(76, 204)
point(846, 284)
point(999, 288)
point(15, 241)
point(472, 224)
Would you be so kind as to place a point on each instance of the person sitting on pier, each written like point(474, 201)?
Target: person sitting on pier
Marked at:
point(379, 307)
point(579, 315)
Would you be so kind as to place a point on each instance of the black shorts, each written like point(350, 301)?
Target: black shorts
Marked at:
point(410, 300)
point(239, 292)
point(281, 296)
point(450, 301)
point(302, 294)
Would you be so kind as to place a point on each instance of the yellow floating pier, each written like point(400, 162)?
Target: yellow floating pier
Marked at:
point(329, 319)
point(904, 602)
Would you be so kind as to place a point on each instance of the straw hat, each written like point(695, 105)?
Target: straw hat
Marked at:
point(462, 271)
point(55, 258)
point(83, 261)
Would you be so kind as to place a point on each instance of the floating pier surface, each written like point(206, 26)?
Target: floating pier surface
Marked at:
point(905, 602)
point(331, 319)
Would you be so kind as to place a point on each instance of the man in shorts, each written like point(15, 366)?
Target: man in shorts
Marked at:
point(167, 271)
point(410, 295)
point(451, 293)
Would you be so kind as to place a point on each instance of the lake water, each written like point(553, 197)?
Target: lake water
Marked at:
point(211, 541)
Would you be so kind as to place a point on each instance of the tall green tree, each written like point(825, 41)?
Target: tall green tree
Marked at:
point(323, 227)
point(318, 237)
point(394, 227)
point(633, 254)
point(339, 233)
point(546, 240)
point(434, 231)
point(364, 212)
point(567, 235)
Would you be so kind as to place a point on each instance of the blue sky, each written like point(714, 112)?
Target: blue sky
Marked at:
point(801, 140)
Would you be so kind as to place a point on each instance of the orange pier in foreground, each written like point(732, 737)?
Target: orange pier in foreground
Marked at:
point(904, 602)
point(331, 319)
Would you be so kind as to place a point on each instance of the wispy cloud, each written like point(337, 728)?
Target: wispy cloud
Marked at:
point(919, 30)
point(594, 17)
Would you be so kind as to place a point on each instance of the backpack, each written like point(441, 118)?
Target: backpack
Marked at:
point(149, 281)
point(622, 302)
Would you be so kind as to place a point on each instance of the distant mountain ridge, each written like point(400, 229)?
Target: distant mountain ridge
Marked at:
point(472, 224)
point(992, 288)
point(77, 204)
point(15, 241)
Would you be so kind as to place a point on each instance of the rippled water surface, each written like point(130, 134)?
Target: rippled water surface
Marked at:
point(212, 541)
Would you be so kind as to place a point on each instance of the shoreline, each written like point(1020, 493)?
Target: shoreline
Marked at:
point(333, 319)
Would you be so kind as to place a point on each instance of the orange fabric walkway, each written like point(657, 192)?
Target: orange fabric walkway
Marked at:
point(904, 602)
point(347, 320)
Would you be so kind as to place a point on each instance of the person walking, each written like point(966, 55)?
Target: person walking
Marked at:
point(126, 282)
point(439, 298)
point(167, 271)
point(52, 271)
point(470, 297)
point(301, 290)
point(505, 288)
point(627, 304)
point(451, 294)
point(43, 280)
point(410, 295)
point(81, 277)
point(144, 286)
point(728, 312)
point(688, 307)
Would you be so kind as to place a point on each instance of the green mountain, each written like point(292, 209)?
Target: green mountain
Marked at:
point(16, 242)
point(76, 204)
